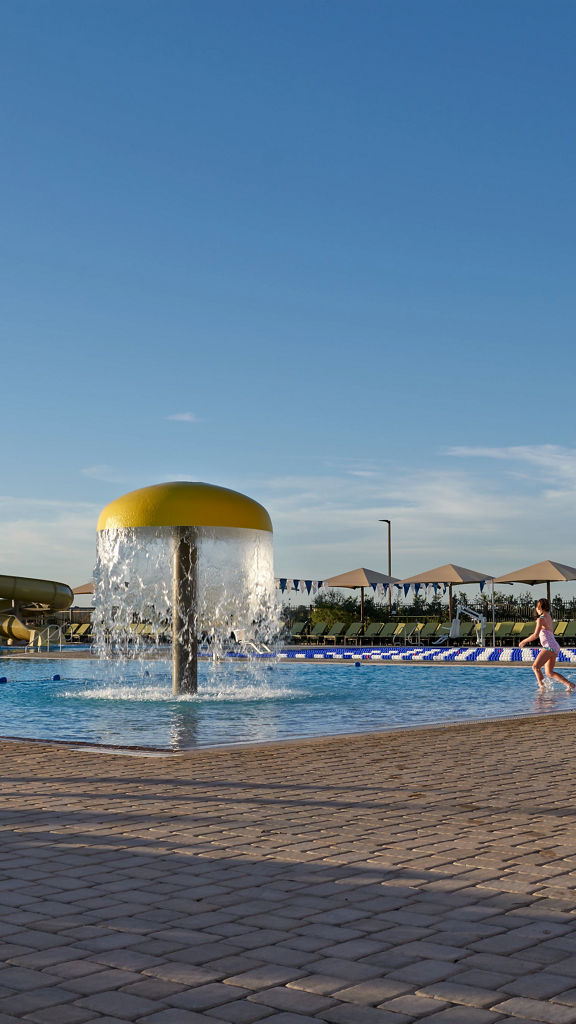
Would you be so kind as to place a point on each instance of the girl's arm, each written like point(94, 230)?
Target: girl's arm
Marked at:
point(535, 635)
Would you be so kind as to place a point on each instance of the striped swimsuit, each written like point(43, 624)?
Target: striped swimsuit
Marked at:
point(548, 640)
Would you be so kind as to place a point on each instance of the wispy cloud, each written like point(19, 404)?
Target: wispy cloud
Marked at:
point(513, 509)
point(550, 464)
point(11, 504)
point(184, 417)
point(106, 474)
point(48, 539)
point(329, 524)
point(549, 456)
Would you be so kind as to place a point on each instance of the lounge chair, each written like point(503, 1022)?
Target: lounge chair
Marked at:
point(569, 634)
point(526, 630)
point(412, 633)
point(372, 632)
point(521, 630)
point(354, 633)
point(401, 633)
point(427, 632)
point(504, 634)
point(83, 634)
point(386, 634)
point(442, 634)
point(298, 632)
point(317, 633)
point(335, 633)
point(467, 633)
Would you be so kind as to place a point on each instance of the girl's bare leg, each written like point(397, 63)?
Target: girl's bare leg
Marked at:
point(537, 665)
point(549, 669)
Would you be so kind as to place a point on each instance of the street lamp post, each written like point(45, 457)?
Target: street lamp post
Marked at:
point(389, 559)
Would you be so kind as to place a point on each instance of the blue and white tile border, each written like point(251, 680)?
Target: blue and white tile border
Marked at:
point(505, 655)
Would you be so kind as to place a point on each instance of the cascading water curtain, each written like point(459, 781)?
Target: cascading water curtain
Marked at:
point(234, 589)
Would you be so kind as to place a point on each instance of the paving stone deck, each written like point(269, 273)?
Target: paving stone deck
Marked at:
point(425, 875)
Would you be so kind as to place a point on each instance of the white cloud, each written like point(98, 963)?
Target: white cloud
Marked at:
point(184, 417)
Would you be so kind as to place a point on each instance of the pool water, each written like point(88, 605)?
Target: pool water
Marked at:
point(131, 704)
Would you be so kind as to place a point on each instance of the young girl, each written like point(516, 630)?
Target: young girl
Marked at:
point(550, 646)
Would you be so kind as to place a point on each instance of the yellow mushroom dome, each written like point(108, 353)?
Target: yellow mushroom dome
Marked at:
point(184, 503)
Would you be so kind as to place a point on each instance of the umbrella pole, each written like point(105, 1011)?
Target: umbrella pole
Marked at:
point(493, 618)
point(450, 602)
point(362, 606)
point(548, 591)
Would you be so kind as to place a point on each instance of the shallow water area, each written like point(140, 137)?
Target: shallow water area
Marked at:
point(130, 704)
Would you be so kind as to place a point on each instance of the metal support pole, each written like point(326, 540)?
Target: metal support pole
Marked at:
point(389, 524)
point(184, 598)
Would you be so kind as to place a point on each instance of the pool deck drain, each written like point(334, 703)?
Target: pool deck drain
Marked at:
point(370, 879)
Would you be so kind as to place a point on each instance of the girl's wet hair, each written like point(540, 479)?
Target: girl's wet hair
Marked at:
point(544, 604)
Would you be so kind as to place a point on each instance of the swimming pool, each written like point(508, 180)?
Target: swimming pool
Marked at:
point(131, 704)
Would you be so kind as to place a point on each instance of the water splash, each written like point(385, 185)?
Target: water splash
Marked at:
point(226, 691)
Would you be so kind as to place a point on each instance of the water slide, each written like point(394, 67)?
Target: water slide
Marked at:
point(17, 592)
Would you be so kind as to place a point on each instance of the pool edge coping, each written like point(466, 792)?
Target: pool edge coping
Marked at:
point(80, 746)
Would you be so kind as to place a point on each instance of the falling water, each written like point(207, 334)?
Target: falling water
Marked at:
point(233, 584)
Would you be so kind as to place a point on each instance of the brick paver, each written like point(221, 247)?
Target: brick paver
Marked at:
point(426, 875)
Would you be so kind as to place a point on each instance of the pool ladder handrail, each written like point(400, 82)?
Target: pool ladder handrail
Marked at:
point(37, 638)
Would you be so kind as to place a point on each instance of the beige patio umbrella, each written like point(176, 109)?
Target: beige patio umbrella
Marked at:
point(359, 579)
point(449, 575)
point(86, 588)
point(542, 572)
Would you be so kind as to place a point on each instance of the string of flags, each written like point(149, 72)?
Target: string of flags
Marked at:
point(287, 585)
point(310, 586)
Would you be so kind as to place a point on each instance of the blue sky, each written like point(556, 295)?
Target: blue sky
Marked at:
point(320, 252)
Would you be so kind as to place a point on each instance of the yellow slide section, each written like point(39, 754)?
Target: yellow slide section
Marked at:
point(16, 591)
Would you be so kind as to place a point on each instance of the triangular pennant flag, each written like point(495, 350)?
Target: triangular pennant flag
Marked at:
point(406, 589)
point(308, 585)
point(482, 585)
point(296, 584)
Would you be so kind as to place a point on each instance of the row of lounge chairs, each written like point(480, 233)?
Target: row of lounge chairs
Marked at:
point(376, 633)
point(82, 634)
point(507, 634)
point(78, 634)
